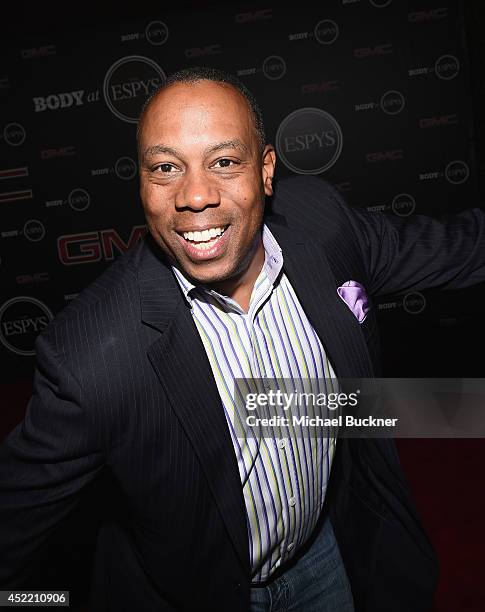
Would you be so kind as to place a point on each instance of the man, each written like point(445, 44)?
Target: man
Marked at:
point(135, 379)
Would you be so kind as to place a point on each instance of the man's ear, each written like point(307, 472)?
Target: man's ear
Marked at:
point(268, 168)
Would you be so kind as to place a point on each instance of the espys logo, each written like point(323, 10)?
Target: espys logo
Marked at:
point(326, 31)
point(392, 102)
point(457, 172)
point(447, 67)
point(79, 199)
point(56, 101)
point(414, 302)
point(22, 318)
point(309, 141)
point(274, 67)
point(403, 205)
point(34, 230)
point(128, 83)
point(156, 33)
point(125, 168)
point(14, 134)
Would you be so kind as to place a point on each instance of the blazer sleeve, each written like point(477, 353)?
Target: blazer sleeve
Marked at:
point(44, 463)
point(398, 254)
point(420, 252)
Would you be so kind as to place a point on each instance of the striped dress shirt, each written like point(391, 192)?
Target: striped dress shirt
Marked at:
point(284, 477)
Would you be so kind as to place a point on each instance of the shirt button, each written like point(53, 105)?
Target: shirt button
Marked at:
point(290, 547)
point(281, 443)
point(292, 501)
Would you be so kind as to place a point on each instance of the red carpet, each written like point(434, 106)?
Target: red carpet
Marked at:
point(448, 482)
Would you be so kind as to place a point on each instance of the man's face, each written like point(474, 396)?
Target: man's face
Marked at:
point(203, 179)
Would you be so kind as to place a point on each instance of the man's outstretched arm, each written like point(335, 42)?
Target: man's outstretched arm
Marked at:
point(420, 252)
point(397, 253)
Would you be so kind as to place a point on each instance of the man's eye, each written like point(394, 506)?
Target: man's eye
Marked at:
point(224, 163)
point(165, 168)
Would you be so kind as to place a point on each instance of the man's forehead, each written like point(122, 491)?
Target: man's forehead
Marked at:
point(203, 91)
point(221, 104)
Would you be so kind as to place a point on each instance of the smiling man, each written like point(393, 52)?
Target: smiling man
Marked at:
point(135, 381)
point(204, 171)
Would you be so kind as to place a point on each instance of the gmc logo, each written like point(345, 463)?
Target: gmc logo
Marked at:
point(365, 52)
point(89, 247)
point(317, 87)
point(38, 52)
point(254, 16)
point(429, 122)
point(432, 15)
point(37, 277)
point(202, 51)
point(59, 152)
point(381, 156)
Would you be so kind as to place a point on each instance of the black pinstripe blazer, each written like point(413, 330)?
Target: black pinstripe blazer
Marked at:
point(123, 386)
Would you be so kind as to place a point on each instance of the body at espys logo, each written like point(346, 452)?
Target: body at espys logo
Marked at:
point(447, 67)
point(14, 134)
point(125, 168)
point(326, 31)
point(34, 230)
point(309, 141)
point(156, 33)
point(128, 83)
point(457, 172)
point(403, 205)
point(22, 318)
point(392, 102)
point(274, 67)
point(79, 199)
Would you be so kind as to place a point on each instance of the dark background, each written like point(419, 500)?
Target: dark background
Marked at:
point(75, 173)
point(58, 47)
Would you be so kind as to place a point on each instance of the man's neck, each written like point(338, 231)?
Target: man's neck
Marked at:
point(240, 288)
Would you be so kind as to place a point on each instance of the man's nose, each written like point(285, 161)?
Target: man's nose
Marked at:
point(197, 193)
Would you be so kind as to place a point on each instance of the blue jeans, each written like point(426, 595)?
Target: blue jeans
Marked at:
point(316, 582)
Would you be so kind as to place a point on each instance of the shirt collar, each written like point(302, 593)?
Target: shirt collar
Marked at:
point(273, 263)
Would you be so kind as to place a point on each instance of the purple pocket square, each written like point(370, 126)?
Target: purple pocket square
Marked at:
point(354, 295)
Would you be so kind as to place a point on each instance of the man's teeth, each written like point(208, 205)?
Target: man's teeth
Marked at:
point(205, 236)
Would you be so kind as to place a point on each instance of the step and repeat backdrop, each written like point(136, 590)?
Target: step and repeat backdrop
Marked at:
point(371, 95)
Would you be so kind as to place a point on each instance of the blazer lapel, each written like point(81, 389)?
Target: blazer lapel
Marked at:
point(309, 272)
point(181, 364)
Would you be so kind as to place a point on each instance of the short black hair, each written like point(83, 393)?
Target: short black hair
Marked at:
point(205, 73)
